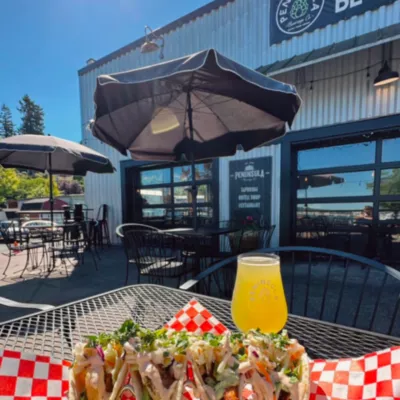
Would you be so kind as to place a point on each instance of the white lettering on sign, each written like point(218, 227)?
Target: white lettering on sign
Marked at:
point(249, 174)
point(342, 5)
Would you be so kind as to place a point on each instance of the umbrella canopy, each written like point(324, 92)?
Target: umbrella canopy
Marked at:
point(200, 106)
point(316, 181)
point(67, 158)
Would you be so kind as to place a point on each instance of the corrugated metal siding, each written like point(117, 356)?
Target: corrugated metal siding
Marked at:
point(273, 151)
point(240, 31)
point(345, 98)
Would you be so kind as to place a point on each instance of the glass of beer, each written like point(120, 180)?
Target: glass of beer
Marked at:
point(258, 298)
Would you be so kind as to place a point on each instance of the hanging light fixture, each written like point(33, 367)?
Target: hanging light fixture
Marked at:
point(150, 44)
point(386, 75)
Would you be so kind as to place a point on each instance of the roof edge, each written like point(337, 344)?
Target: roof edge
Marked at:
point(199, 12)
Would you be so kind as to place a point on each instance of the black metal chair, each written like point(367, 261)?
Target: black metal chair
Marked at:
point(121, 229)
point(156, 254)
point(102, 232)
point(256, 239)
point(17, 242)
point(365, 294)
point(75, 242)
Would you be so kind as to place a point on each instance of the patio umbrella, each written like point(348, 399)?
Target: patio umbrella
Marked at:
point(196, 107)
point(51, 154)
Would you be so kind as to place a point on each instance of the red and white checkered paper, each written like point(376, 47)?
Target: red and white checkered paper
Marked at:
point(373, 376)
point(28, 376)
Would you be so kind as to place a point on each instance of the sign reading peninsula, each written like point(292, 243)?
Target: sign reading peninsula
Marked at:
point(290, 18)
point(250, 189)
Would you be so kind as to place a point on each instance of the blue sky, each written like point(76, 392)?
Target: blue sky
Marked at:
point(45, 42)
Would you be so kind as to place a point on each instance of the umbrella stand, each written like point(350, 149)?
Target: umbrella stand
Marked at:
point(51, 204)
point(194, 187)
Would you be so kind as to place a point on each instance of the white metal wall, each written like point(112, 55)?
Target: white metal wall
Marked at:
point(240, 31)
point(273, 151)
point(346, 98)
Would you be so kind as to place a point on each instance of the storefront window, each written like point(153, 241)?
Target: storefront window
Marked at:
point(160, 201)
point(155, 196)
point(337, 156)
point(335, 185)
point(389, 210)
point(391, 150)
point(155, 177)
point(346, 214)
point(390, 181)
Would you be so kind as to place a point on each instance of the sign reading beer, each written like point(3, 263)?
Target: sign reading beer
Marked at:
point(250, 189)
point(290, 18)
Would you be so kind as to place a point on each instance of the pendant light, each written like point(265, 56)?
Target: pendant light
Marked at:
point(150, 44)
point(386, 75)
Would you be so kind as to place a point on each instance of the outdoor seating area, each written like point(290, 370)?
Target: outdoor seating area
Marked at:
point(224, 228)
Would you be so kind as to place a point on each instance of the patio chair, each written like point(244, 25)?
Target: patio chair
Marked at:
point(15, 247)
point(156, 254)
point(121, 229)
point(75, 242)
point(16, 304)
point(102, 231)
point(256, 239)
point(365, 295)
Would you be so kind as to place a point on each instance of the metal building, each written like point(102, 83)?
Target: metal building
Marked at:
point(332, 50)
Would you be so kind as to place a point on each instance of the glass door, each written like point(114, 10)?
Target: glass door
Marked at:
point(348, 195)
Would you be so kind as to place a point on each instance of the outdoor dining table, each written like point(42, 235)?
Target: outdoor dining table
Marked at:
point(54, 332)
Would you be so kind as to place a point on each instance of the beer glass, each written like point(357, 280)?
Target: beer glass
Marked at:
point(258, 297)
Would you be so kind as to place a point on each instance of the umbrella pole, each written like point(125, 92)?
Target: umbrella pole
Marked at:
point(194, 187)
point(51, 204)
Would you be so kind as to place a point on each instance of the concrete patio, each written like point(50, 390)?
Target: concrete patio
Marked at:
point(38, 286)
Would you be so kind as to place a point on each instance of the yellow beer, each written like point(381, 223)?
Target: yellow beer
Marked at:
point(258, 298)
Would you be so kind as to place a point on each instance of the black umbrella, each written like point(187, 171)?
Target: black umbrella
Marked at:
point(200, 106)
point(51, 154)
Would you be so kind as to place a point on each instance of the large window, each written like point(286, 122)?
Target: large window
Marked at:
point(349, 189)
point(164, 195)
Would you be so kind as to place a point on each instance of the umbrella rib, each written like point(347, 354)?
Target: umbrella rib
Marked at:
point(217, 116)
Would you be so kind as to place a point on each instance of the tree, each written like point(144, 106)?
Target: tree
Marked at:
point(6, 123)
point(32, 116)
point(36, 186)
point(9, 183)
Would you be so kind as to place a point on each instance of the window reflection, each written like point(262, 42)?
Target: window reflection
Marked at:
point(335, 185)
point(337, 156)
point(157, 215)
point(182, 194)
point(391, 150)
point(338, 213)
point(184, 216)
point(389, 210)
point(155, 177)
point(184, 173)
point(204, 171)
point(155, 196)
point(390, 181)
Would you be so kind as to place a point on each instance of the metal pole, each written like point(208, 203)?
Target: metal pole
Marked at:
point(50, 171)
point(194, 187)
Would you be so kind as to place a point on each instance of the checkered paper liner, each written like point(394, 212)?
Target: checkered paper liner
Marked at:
point(373, 376)
point(27, 376)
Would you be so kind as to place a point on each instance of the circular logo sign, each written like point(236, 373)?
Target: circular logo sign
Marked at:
point(295, 16)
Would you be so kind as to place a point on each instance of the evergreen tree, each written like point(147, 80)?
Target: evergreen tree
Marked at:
point(32, 116)
point(6, 123)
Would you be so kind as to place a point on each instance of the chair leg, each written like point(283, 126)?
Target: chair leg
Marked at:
point(27, 262)
point(107, 233)
point(9, 261)
point(127, 273)
point(94, 259)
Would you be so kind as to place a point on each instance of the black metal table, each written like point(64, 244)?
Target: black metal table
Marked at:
point(201, 232)
point(53, 332)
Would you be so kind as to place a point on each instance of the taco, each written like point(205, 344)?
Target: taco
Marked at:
point(165, 365)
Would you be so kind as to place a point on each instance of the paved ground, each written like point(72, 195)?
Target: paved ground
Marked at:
point(37, 286)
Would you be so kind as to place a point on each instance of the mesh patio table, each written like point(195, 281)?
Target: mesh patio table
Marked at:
point(54, 332)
